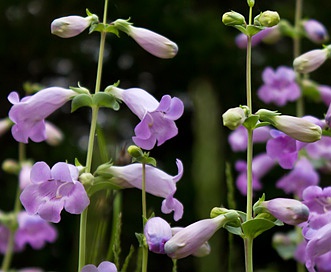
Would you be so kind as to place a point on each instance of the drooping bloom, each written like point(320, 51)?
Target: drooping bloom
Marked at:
point(290, 211)
point(261, 165)
point(302, 176)
point(310, 61)
point(70, 26)
point(238, 138)
point(157, 232)
point(157, 118)
point(279, 86)
point(29, 113)
point(105, 266)
point(158, 183)
point(315, 31)
point(51, 190)
point(34, 231)
point(190, 239)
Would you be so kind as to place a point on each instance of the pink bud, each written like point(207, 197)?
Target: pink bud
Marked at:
point(70, 26)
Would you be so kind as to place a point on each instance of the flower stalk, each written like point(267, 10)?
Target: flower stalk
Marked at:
point(144, 215)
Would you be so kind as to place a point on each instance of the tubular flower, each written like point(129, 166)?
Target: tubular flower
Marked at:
point(51, 190)
point(290, 211)
point(158, 183)
point(157, 118)
point(29, 113)
point(310, 61)
point(315, 31)
point(188, 240)
point(70, 26)
point(279, 86)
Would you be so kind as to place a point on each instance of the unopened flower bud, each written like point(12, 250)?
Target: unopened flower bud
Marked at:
point(86, 178)
point(289, 211)
point(310, 61)
point(233, 118)
point(295, 127)
point(135, 151)
point(5, 125)
point(11, 166)
point(152, 42)
point(267, 18)
point(233, 18)
point(157, 232)
point(315, 31)
point(70, 26)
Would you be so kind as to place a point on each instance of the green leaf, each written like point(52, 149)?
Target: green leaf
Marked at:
point(241, 28)
point(81, 100)
point(251, 121)
point(252, 30)
point(105, 100)
point(112, 29)
point(102, 185)
point(253, 228)
point(236, 230)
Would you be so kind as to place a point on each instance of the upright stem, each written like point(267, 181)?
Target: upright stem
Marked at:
point(17, 207)
point(95, 109)
point(144, 215)
point(248, 242)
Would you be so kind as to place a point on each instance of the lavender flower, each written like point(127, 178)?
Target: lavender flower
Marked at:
point(157, 232)
point(317, 199)
point(325, 93)
point(157, 118)
point(283, 148)
point(51, 190)
point(152, 42)
point(34, 231)
point(190, 239)
point(54, 135)
point(238, 138)
point(279, 86)
point(158, 183)
point(103, 267)
point(302, 176)
point(310, 61)
point(315, 31)
point(29, 113)
point(24, 175)
point(70, 26)
point(290, 211)
point(261, 165)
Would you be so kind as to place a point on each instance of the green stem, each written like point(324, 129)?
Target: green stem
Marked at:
point(83, 217)
point(248, 242)
point(144, 215)
point(17, 207)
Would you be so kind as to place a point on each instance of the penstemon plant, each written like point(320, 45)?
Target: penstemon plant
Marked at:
point(299, 143)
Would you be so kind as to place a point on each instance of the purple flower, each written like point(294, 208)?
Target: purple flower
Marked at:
point(302, 176)
point(317, 199)
point(283, 148)
point(29, 113)
point(321, 152)
point(157, 118)
point(70, 26)
point(315, 31)
point(157, 232)
point(290, 211)
point(24, 175)
point(238, 138)
point(34, 231)
point(279, 86)
point(325, 93)
point(188, 240)
point(54, 135)
point(310, 61)
point(51, 190)
point(103, 267)
point(158, 183)
point(261, 165)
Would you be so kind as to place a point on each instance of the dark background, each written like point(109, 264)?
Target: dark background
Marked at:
point(208, 74)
